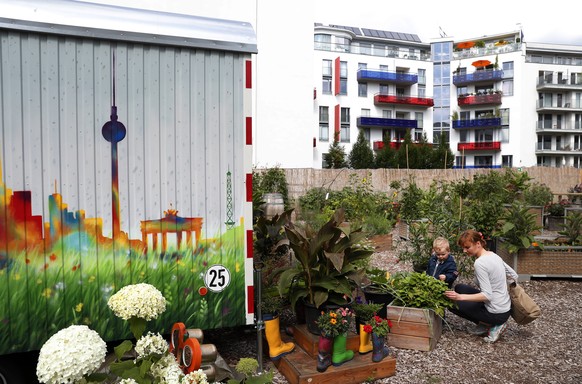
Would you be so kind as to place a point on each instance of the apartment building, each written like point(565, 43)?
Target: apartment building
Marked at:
point(498, 100)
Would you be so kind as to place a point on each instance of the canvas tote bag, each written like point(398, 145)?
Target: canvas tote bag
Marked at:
point(523, 309)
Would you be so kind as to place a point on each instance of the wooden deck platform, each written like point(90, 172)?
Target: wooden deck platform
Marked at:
point(300, 366)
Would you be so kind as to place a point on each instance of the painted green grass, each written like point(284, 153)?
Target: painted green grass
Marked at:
point(40, 294)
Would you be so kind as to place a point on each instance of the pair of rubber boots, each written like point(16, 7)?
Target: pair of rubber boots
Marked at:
point(332, 351)
point(277, 347)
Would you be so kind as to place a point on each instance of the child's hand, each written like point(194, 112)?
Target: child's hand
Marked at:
point(442, 277)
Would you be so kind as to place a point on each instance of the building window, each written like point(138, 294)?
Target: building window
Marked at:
point(507, 87)
point(324, 123)
point(367, 134)
point(507, 69)
point(483, 161)
point(460, 161)
point(386, 113)
point(363, 89)
point(345, 125)
point(365, 48)
point(383, 89)
point(343, 78)
point(365, 112)
point(323, 42)
point(326, 77)
point(419, 117)
point(507, 161)
point(342, 44)
point(421, 76)
point(504, 114)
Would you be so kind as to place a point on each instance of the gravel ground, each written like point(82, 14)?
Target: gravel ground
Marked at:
point(545, 351)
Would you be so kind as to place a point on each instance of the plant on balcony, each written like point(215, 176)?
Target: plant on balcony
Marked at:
point(480, 44)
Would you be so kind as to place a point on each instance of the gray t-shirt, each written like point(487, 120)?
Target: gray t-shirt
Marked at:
point(492, 281)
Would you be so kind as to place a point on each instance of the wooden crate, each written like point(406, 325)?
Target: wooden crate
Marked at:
point(414, 328)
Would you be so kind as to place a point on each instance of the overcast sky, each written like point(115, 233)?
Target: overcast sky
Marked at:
point(545, 22)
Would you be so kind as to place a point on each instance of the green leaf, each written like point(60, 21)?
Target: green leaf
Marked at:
point(122, 349)
point(137, 326)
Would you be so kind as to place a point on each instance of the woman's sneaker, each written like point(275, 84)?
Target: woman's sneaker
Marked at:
point(495, 332)
point(479, 330)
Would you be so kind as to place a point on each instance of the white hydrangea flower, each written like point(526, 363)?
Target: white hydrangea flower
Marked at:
point(142, 300)
point(128, 381)
point(70, 354)
point(151, 344)
point(196, 377)
point(166, 370)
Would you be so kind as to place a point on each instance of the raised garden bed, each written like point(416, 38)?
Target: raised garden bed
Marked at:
point(552, 261)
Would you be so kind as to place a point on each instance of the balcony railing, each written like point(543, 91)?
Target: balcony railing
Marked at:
point(400, 99)
point(555, 105)
point(558, 127)
point(480, 146)
point(476, 52)
point(380, 50)
point(382, 76)
point(552, 83)
point(381, 122)
point(478, 77)
point(477, 123)
point(492, 99)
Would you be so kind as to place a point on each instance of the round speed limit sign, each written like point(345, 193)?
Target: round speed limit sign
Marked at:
point(217, 278)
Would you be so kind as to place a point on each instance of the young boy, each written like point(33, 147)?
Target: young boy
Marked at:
point(441, 264)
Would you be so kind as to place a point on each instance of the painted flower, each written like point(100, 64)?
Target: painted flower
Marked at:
point(152, 343)
point(69, 355)
point(141, 300)
point(196, 377)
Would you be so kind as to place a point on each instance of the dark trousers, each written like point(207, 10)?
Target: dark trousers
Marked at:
point(475, 311)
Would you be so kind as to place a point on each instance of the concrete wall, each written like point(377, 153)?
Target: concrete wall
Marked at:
point(301, 180)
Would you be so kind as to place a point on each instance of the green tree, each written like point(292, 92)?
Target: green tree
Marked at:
point(361, 156)
point(336, 156)
point(386, 157)
point(442, 156)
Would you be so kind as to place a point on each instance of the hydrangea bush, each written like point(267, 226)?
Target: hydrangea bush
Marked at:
point(70, 354)
point(74, 354)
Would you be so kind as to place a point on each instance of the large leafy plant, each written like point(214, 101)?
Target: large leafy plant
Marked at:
point(328, 262)
point(419, 290)
point(517, 228)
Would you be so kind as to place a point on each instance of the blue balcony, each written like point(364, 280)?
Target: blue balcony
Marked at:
point(380, 122)
point(478, 77)
point(477, 123)
point(381, 76)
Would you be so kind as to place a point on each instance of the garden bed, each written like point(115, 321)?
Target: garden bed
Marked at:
point(552, 261)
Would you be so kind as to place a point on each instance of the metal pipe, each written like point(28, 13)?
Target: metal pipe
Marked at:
point(259, 323)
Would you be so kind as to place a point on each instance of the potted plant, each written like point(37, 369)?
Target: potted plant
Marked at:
point(334, 326)
point(378, 289)
point(416, 312)
point(379, 328)
point(328, 268)
point(364, 311)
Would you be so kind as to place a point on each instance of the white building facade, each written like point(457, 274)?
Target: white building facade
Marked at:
point(499, 101)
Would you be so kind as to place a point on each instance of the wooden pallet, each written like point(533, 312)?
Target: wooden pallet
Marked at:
point(300, 366)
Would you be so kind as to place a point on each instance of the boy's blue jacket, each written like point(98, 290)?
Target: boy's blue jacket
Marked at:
point(447, 268)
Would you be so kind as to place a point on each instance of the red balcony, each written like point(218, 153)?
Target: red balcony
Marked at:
point(406, 100)
point(493, 99)
point(480, 146)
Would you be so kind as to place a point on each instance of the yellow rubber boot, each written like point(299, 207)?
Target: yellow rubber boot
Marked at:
point(365, 341)
point(277, 348)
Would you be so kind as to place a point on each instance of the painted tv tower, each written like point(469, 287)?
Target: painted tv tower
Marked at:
point(114, 131)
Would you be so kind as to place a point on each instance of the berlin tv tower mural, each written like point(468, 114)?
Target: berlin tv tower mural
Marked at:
point(114, 131)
